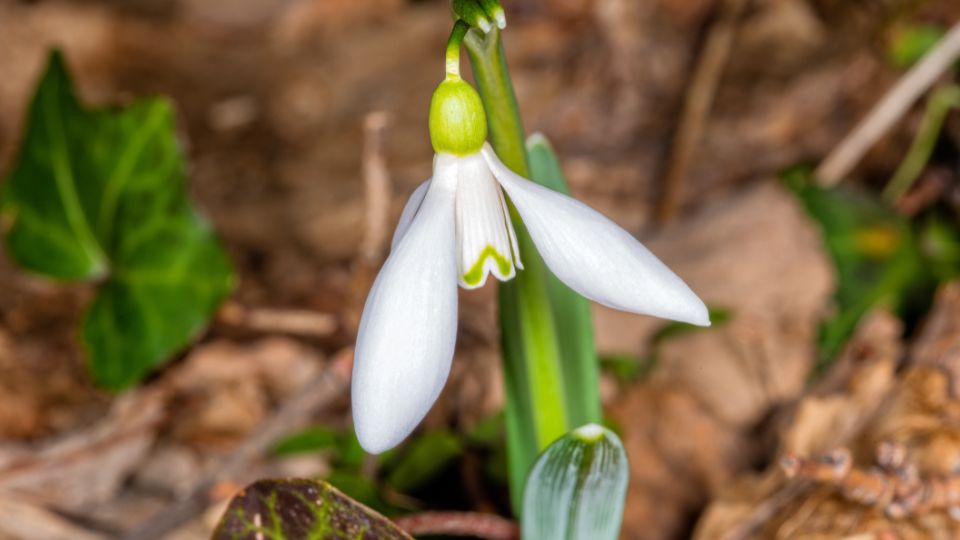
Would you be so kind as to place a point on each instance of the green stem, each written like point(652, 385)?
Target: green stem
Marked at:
point(939, 105)
point(536, 404)
point(503, 116)
point(453, 49)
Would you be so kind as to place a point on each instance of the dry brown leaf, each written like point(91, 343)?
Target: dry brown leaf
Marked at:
point(939, 343)
point(23, 521)
point(690, 430)
point(823, 422)
point(87, 467)
point(679, 452)
point(757, 255)
point(904, 434)
point(224, 389)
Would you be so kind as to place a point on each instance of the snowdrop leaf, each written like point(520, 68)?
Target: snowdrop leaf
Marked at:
point(98, 195)
point(576, 489)
point(298, 510)
point(571, 312)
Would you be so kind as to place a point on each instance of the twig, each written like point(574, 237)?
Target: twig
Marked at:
point(767, 509)
point(697, 104)
point(376, 181)
point(486, 526)
point(312, 396)
point(376, 237)
point(24, 520)
point(299, 322)
point(890, 109)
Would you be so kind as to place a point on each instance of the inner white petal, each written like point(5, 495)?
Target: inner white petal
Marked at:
point(485, 238)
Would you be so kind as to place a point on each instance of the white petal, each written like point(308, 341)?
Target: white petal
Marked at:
point(484, 234)
point(408, 328)
point(513, 233)
point(409, 211)
point(594, 256)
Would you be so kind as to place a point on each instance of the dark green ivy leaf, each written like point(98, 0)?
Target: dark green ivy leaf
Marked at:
point(98, 195)
point(301, 510)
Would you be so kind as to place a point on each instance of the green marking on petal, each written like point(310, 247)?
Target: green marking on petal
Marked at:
point(475, 274)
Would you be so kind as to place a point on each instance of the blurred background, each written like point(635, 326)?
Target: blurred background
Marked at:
point(304, 126)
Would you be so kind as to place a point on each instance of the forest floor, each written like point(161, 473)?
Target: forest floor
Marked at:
point(283, 103)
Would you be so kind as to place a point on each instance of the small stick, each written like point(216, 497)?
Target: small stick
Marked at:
point(300, 322)
point(377, 190)
point(890, 109)
point(697, 104)
point(763, 512)
point(474, 524)
point(312, 396)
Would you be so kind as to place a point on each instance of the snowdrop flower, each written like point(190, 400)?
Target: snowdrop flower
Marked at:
point(456, 230)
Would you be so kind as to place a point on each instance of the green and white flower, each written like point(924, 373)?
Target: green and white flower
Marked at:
point(456, 229)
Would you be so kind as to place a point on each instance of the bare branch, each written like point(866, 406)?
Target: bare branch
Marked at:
point(890, 109)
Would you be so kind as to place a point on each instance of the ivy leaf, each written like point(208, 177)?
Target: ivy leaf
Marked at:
point(577, 488)
point(301, 509)
point(98, 195)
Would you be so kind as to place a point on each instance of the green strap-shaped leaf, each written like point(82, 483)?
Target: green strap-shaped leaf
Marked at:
point(301, 510)
point(99, 195)
point(571, 312)
point(576, 489)
point(536, 409)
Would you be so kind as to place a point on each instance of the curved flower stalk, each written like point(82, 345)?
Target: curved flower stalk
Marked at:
point(456, 230)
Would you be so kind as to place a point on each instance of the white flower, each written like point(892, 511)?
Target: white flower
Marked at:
point(456, 229)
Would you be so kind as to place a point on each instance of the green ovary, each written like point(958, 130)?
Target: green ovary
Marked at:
point(475, 274)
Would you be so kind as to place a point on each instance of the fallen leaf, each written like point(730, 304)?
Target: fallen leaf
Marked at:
point(87, 467)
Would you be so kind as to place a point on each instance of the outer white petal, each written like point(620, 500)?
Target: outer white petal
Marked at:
point(409, 324)
point(596, 257)
point(409, 211)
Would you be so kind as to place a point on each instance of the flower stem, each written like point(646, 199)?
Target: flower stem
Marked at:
point(536, 412)
point(496, 89)
point(453, 49)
